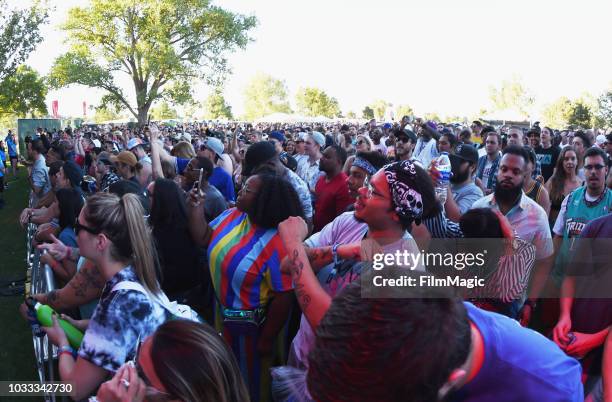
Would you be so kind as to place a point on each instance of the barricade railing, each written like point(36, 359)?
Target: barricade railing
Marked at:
point(41, 280)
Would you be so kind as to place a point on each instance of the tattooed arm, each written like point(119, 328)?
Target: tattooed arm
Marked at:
point(85, 286)
point(313, 300)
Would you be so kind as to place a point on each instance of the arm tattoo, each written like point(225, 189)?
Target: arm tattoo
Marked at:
point(321, 255)
point(87, 277)
point(297, 267)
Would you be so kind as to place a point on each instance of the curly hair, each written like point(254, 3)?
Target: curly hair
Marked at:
point(276, 201)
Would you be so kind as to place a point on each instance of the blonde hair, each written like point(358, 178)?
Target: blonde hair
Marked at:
point(122, 221)
point(183, 150)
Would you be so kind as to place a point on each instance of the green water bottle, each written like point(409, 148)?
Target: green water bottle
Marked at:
point(44, 315)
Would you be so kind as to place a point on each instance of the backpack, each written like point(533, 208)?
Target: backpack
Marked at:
point(178, 311)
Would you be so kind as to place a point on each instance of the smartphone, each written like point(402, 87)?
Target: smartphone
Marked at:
point(200, 179)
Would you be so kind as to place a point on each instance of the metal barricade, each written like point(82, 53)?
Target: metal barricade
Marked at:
point(41, 281)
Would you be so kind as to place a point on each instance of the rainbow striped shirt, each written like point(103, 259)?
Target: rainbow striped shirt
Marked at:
point(244, 261)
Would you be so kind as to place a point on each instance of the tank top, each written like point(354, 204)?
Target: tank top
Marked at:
point(534, 191)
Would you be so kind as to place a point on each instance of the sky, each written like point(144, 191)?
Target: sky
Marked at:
point(439, 56)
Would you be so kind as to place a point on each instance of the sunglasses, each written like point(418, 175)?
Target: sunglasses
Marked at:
point(152, 393)
point(404, 139)
point(78, 227)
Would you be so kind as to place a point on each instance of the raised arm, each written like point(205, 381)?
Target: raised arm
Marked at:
point(313, 300)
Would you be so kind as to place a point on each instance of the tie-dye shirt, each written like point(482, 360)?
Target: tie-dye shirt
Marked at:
point(117, 322)
point(244, 261)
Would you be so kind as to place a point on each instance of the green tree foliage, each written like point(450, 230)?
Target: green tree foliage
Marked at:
point(403, 110)
point(105, 114)
point(557, 114)
point(367, 113)
point(380, 108)
point(19, 35)
point(265, 95)
point(604, 109)
point(432, 116)
point(161, 45)
point(163, 111)
point(512, 95)
point(215, 107)
point(23, 92)
point(580, 115)
point(351, 115)
point(315, 102)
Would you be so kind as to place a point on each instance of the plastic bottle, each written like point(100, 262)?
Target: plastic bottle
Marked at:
point(443, 166)
point(44, 315)
point(32, 320)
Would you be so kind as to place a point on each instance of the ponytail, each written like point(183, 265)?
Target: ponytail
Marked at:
point(144, 255)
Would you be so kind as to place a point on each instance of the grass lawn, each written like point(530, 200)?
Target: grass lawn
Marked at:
point(16, 353)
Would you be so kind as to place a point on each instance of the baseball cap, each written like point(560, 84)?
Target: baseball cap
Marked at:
point(215, 145)
point(125, 157)
point(407, 133)
point(465, 152)
point(257, 154)
point(96, 143)
point(600, 139)
point(133, 143)
point(318, 138)
point(186, 137)
point(277, 135)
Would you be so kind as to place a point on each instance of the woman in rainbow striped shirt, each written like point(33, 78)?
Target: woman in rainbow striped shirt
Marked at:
point(244, 254)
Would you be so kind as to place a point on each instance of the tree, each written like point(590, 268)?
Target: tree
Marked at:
point(432, 116)
point(265, 95)
point(215, 107)
point(23, 92)
point(161, 45)
point(315, 102)
point(604, 109)
point(163, 112)
point(580, 115)
point(104, 114)
point(403, 110)
point(19, 36)
point(380, 108)
point(351, 115)
point(557, 114)
point(367, 113)
point(512, 95)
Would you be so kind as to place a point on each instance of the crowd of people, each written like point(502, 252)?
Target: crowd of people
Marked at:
point(267, 231)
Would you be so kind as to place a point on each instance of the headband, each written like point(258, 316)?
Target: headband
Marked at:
point(402, 179)
point(365, 165)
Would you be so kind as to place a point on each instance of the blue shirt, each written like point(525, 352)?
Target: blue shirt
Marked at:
point(224, 183)
point(12, 147)
point(519, 365)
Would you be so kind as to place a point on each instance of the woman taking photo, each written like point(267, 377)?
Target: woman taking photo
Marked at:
point(244, 255)
point(111, 232)
point(563, 181)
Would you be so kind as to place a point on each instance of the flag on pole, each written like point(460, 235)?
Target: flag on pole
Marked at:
point(84, 109)
point(55, 108)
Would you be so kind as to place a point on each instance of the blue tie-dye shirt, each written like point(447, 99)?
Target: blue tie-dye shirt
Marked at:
point(117, 322)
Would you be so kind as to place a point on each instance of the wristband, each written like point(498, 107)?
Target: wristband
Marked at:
point(66, 349)
point(335, 253)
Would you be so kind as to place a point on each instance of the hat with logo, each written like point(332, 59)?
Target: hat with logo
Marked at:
point(464, 152)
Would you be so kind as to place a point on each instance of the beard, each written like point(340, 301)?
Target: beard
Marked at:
point(506, 195)
point(460, 177)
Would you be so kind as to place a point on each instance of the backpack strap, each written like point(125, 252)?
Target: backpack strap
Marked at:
point(161, 299)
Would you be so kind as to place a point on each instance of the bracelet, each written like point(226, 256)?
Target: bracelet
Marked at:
point(66, 349)
point(335, 253)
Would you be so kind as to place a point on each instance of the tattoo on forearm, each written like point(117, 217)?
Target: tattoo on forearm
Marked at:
point(321, 255)
point(297, 267)
point(86, 278)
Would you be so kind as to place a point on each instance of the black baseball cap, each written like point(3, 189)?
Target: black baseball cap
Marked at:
point(465, 152)
point(406, 133)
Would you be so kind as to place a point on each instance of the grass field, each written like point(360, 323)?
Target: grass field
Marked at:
point(16, 351)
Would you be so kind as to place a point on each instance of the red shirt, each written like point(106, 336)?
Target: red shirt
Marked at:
point(332, 199)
